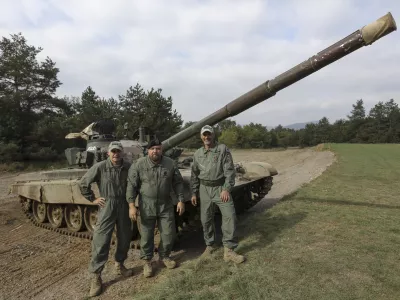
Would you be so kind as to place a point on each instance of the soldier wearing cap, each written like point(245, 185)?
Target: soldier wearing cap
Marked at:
point(212, 179)
point(152, 177)
point(110, 176)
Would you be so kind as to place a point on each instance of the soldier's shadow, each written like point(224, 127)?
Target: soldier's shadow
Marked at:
point(119, 278)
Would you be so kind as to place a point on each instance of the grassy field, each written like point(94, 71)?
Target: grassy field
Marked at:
point(336, 238)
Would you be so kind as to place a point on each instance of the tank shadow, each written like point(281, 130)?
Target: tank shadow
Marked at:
point(347, 202)
point(265, 227)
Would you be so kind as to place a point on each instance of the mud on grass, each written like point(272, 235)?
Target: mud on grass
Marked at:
point(336, 238)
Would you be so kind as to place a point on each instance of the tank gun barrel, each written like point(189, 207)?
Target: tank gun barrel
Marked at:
point(362, 37)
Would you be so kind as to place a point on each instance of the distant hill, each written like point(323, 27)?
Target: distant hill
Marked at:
point(297, 126)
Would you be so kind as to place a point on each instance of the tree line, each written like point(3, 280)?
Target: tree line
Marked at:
point(34, 121)
point(380, 125)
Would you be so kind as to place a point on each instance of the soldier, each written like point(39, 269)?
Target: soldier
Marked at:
point(212, 178)
point(152, 178)
point(110, 176)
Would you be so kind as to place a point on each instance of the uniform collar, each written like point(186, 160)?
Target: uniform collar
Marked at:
point(213, 149)
point(110, 165)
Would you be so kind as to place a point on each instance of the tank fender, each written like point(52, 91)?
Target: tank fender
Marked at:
point(255, 170)
point(55, 191)
point(30, 190)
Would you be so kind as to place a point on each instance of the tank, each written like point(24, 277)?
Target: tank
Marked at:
point(52, 199)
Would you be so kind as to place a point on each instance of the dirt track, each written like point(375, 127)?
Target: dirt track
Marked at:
point(40, 264)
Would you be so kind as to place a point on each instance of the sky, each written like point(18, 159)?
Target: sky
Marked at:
point(206, 53)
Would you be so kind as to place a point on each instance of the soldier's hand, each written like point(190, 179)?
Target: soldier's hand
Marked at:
point(100, 202)
point(224, 196)
point(133, 213)
point(180, 208)
point(194, 200)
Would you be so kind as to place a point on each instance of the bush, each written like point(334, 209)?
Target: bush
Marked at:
point(9, 152)
point(44, 154)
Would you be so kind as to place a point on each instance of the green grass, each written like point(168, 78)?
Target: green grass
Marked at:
point(336, 238)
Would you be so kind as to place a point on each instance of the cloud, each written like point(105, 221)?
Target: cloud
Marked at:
point(206, 53)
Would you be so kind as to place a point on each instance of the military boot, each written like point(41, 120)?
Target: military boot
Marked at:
point(169, 263)
point(122, 270)
point(95, 285)
point(230, 255)
point(208, 251)
point(147, 269)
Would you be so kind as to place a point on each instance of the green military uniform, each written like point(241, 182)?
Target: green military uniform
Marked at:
point(153, 183)
point(111, 181)
point(212, 172)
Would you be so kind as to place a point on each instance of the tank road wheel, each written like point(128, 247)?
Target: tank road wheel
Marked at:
point(74, 217)
point(55, 215)
point(39, 212)
point(90, 217)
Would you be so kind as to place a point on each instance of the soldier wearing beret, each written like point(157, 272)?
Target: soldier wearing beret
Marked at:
point(152, 177)
point(110, 176)
point(212, 178)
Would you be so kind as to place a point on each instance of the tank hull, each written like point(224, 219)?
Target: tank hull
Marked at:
point(52, 199)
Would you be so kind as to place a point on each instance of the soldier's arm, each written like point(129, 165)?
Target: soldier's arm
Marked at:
point(92, 175)
point(133, 183)
point(194, 179)
point(229, 171)
point(177, 184)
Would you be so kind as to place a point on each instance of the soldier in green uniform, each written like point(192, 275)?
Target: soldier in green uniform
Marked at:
point(212, 179)
point(110, 176)
point(152, 177)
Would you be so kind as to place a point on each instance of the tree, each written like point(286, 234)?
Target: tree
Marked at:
point(91, 108)
point(339, 131)
point(323, 131)
point(357, 120)
point(231, 137)
point(150, 109)
point(255, 136)
point(27, 87)
point(358, 111)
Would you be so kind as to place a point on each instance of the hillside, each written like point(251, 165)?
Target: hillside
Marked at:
point(298, 126)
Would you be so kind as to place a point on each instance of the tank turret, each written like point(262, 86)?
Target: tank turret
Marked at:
point(98, 135)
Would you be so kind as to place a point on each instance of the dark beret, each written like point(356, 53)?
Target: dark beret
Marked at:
point(154, 142)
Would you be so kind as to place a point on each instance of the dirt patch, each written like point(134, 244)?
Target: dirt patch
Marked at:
point(295, 167)
point(39, 264)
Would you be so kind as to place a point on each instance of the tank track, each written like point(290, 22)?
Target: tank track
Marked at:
point(252, 193)
point(29, 214)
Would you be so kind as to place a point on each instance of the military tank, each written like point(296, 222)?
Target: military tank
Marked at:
point(52, 199)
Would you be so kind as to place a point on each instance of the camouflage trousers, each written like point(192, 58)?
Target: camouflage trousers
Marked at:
point(115, 212)
point(209, 200)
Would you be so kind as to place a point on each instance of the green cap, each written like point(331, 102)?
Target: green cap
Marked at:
point(115, 145)
point(207, 128)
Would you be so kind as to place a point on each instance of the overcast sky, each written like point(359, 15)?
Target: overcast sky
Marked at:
point(206, 53)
